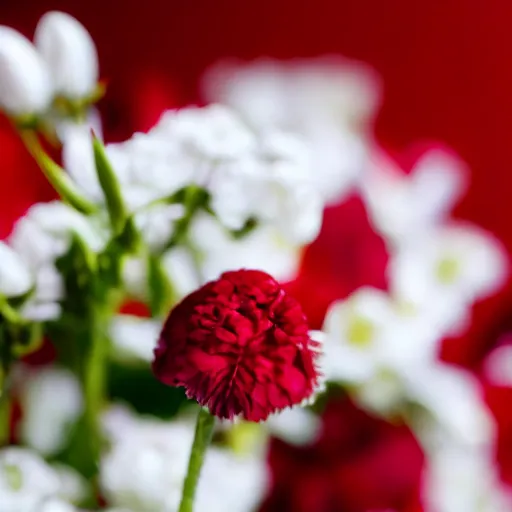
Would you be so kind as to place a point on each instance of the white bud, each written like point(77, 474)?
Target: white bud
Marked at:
point(25, 86)
point(15, 278)
point(69, 52)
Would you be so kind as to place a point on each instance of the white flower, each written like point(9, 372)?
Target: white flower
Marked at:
point(453, 399)
point(368, 336)
point(69, 53)
point(262, 249)
point(146, 466)
point(56, 505)
point(42, 236)
point(498, 366)
point(446, 269)
point(386, 358)
point(462, 479)
point(295, 425)
point(287, 94)
point(275, 185)
point(15, 276)
point(327, 101)
point(156, 224)
point(135, 337)
point(213, 132)
point(52, 401)
point(25, 87)
point(25, 480)
point(404, 206)
point(44, 233)
point(73, 486)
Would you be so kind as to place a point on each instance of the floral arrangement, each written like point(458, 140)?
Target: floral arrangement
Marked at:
point(184, 261)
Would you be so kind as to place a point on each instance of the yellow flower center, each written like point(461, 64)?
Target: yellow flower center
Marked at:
point(448, 269)
point(13, 476)
point(360, 331)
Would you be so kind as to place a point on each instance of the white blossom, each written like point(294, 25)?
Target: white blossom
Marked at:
point(295, 425)
point(25, 480)
point(387, 358)
point(52, 401)
point(403, 206)
point(498, 366)
point(446, 269)
point(73, 486)
point(265, 249)
point(42, 236)
point(44, 233)
point(368, 335)
point(462, 479)
point(69, 53)
point(25, 87)
point(454, 402)
point(328, 101)
point(146, 466)
point(135, 337)
point(56, 505)
point(15, 276)
point(268, 177)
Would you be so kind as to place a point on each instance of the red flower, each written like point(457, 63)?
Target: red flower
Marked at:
point(347, 254)
point(360, 463)
point(239, 345)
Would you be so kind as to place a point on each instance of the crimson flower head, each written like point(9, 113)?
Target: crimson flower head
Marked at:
point(239, 345)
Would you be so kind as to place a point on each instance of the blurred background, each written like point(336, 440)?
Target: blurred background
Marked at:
point(444, 75)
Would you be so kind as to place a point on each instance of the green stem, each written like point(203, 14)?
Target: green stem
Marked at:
point(94, 387)
point(56, 175)
point(202, 438)
point(5, 407)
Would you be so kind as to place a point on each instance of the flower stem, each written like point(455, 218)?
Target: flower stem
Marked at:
point(202, 438)
point(56, 175)
point(5, 407)
point(94, 384)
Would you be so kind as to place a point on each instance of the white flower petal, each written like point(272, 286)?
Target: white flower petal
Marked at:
point(15, 277)
point(135, 336)
point(69, 53)
point(46, 420)
point(25, 86)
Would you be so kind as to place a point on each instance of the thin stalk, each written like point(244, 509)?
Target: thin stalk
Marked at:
point(94, 387)
point(5, 406)
point(56, 175)
point(202, 438)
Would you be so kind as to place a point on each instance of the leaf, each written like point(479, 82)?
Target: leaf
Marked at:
point(110, 186)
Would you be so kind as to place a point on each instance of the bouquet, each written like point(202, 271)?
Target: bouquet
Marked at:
point(169, 317)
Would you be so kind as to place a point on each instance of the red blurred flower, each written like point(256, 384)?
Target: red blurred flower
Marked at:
point(348, 254)
point(360, 463)
point(239, 345)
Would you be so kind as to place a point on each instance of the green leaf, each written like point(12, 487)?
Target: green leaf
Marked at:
point(110, 184)
point(56, 175)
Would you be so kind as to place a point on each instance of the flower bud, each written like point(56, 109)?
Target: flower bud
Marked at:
point(15, 278)
point(70, 54)
point(25, 86)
